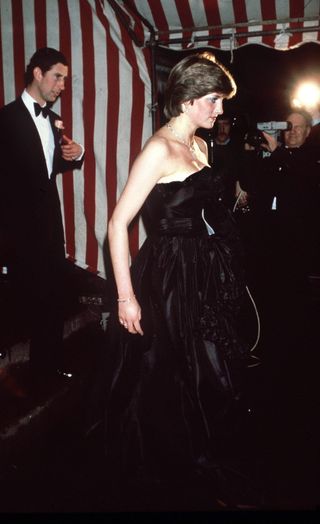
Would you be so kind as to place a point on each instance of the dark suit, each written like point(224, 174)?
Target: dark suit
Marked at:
point(31, 229)
point(314, 137)
point(291, 230)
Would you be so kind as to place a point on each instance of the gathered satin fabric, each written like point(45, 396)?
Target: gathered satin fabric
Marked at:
point(169, 390)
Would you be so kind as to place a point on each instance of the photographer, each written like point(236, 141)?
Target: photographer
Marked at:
point(283, 183)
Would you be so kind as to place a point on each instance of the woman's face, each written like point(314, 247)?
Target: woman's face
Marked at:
point(206, 109)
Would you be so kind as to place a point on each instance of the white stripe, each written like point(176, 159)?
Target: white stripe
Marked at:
point(124, 120)
point(310, 36)
point(230, 43)
point(253, 9)
point(198, 12)
point(147, 118)
point(77, 128)
point(143, 7)
point(312, 9)
point(173, 20)
point(125, 103)
point(52, 13)
point(29, 29)
point(100, 135)
point(171, 14)
point(115, 32)
point(199, 19)
point(282, 9)
point(226, 12)
point(53, 34)
point(255, 39)
point(254, 15)
point(7, 51)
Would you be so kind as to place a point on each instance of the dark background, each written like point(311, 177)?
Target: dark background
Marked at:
point(265, 78)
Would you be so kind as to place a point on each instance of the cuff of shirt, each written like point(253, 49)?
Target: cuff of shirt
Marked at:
point(82, 153)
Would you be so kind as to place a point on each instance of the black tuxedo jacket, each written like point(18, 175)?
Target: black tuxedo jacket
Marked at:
point(30, 215)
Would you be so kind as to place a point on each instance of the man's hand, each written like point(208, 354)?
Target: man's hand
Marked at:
point(272, 142)
point(70, 149)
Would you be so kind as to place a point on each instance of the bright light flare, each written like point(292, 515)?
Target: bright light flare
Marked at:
point(307, 95)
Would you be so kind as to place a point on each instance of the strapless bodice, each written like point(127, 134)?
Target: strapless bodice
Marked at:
point(179, 207)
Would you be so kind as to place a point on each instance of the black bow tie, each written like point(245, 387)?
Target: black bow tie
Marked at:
point(38, 109)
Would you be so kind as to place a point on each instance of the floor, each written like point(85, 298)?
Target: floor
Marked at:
point(51, 439)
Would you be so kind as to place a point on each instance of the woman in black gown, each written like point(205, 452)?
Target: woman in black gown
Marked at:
point(176, 360)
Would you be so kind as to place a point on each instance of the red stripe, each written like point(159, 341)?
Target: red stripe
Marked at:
point(268, 12)
point(1, 74)
point(138, 26)
point(66, 110)
point(88, 119)
point(18, 45)
point(135, 146)
point(213, 18)
point(40, 23)
point(240, 16)
point(186, 18)
point(296, 11)
point(112, 113)
point(159, 18)
point(136, 123)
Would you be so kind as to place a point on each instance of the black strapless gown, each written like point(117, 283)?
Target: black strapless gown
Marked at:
point(169, 390)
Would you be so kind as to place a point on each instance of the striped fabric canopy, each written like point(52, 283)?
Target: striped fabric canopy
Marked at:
point(224, 24)
point(106, 105)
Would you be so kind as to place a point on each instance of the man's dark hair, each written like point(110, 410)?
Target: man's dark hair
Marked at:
point(225, 117)
point(44, 58)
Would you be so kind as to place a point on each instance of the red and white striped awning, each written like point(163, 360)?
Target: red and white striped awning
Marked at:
point(224, 24)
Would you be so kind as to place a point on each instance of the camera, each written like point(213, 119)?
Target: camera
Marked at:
point(255, 137)
point(273, 127)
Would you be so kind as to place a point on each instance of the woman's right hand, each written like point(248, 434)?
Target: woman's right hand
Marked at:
point(129, 313)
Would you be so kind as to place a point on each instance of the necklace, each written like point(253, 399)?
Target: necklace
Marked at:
point(189, 146)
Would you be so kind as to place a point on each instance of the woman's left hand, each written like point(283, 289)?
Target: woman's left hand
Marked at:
point(130, 316)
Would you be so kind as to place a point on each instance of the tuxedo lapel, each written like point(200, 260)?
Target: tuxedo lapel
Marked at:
point(55, 131)
point(25, 125)
point(57, 137)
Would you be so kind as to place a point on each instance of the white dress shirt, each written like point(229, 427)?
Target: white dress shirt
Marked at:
point(44, 129)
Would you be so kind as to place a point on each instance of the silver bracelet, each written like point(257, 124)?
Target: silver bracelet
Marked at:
point(125, 299)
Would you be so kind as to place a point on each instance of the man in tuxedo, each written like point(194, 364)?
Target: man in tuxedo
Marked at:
point(33, 150)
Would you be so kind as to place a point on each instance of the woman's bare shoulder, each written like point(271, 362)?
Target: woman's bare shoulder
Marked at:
point(158, 140)
point(202, 144)
point(158, 147)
